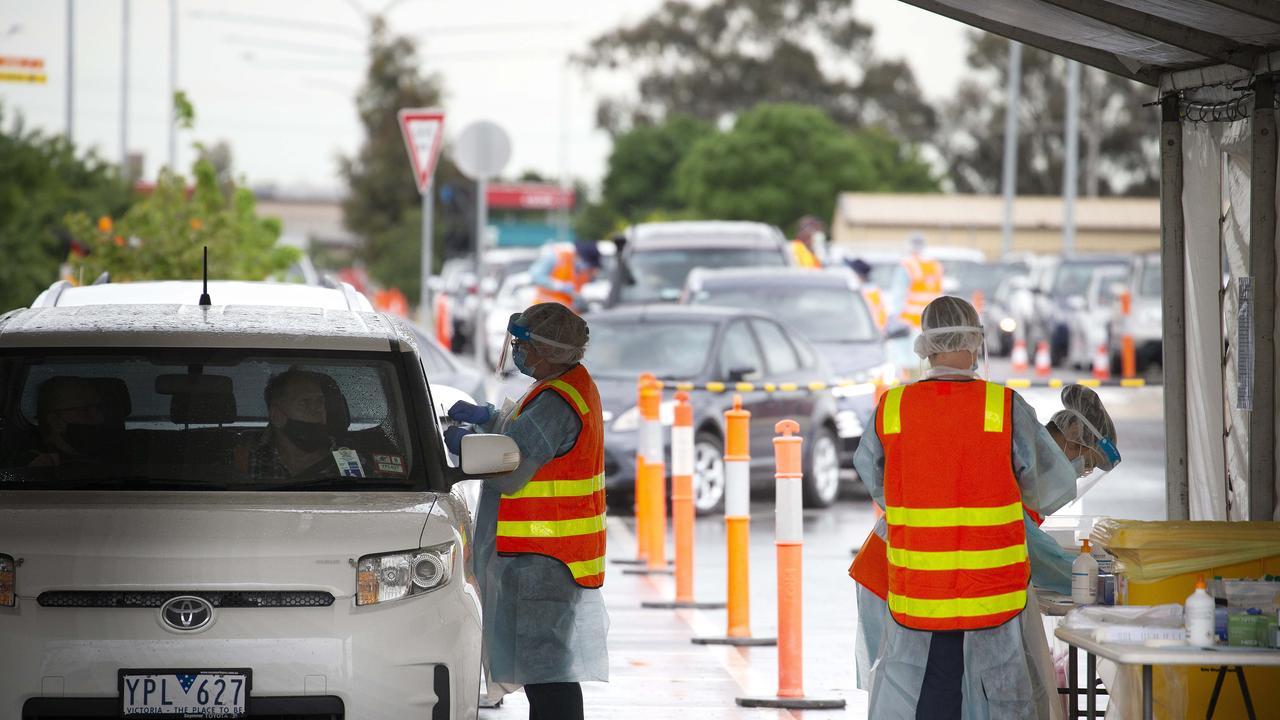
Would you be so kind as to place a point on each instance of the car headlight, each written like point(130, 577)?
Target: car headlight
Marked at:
point(8, 581)
point(398, 575)
point(1008, 325)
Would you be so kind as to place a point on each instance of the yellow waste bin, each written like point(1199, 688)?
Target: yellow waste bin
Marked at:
point(1158, 562)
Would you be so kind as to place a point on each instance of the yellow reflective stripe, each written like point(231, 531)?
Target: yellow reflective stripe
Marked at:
point(958, 607)
point(551, 528)
point(573, 393)
point(954, 516)
point(559, 488)
point(958, 559)
point(893, 411)
point(587, 567)
point(993, 418)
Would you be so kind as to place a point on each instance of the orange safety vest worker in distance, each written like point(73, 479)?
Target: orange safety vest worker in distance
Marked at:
point(875, 303)
point(804, 257)
point(956, 545)
point(560, 513)
point(564, 271)
point(924, 286)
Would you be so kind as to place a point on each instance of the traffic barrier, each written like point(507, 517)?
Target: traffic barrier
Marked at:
point(640, 485)
point(737, 522)
point(873, 389)
point(682, 512)
point(1019, 356)
point(789, 533)
point(1102, 363)
point(651, 485)
point(1128, 356)
point(1044, 364)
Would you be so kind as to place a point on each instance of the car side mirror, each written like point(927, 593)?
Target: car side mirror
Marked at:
point(483, 454)
point(740, 373)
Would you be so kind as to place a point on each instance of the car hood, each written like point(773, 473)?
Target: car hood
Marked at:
point(848, 359)
point(212, 540)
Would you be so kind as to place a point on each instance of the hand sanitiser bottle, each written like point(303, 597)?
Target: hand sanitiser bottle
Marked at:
point(1084, 577)
point(1197, 615)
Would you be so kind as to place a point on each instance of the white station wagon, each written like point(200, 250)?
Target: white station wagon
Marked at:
point(162, 553)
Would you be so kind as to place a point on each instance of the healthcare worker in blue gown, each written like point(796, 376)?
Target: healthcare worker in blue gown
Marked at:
point(544, 626)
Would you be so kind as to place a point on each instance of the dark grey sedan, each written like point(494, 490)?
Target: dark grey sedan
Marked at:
point(708, 344)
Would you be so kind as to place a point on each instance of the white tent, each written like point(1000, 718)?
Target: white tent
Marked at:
point(1216, 67)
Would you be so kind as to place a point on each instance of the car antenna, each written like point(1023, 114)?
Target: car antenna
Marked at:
point(205, 301)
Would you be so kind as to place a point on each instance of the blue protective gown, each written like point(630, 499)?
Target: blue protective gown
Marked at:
point(998, 682)
point(539, 625)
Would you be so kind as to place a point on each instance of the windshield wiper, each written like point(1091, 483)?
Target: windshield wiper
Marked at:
point(350, 484)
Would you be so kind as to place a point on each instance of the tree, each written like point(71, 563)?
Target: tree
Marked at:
point(1118, 153)
point(641, 170)
point(41, 180)
point(162, 236)
point(383, 205)
point(716, 60)
point(780, 162)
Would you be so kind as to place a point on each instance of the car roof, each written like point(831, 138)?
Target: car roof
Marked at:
point(777, 277)
point(704, 233)
point(671, 312)
point(223, 292)
point(216, 326)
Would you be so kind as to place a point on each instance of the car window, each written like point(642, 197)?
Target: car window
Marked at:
point(778, 352)
point(738, 350)
point(660, 274)
point(822, 314)
point(675, 350)
point(199, 419)
point(1152, 280)
point(433, 359)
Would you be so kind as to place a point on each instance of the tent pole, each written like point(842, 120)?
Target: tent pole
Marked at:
point(1174, 281)
point(1262, 265)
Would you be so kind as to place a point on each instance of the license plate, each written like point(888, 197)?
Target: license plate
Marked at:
point(184, 693)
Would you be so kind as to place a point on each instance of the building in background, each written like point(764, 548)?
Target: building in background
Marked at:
point(529, 214)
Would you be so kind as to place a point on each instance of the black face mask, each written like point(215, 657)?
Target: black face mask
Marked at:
point(94, 441)
point(307, 436)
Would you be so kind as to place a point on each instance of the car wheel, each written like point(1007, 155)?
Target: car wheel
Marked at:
point(822, 476)
point(708, 474)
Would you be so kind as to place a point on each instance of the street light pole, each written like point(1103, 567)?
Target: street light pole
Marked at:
point(1009, 174)
point(124, 88)
point(173, 86)
point(1071, 152)
point(71, 69)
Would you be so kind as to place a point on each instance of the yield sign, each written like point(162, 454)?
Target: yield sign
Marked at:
point(423, 129)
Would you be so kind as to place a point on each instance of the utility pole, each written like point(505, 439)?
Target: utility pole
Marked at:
point(124, 89)
point(1071, 153)
point(173, 85)
point(1009, 174)
point(71, 69)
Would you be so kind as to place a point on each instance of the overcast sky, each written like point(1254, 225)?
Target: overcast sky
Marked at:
point(277, 79)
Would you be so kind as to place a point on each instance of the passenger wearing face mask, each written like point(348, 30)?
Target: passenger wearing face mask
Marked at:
point(77, 424)
point(304, 418)
point(540, 530)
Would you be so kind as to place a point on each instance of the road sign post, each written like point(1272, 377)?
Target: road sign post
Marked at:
point(481, 152)
point(423, 130)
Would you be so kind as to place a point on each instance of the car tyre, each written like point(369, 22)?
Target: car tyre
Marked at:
point(821, 482)
point(708, 474)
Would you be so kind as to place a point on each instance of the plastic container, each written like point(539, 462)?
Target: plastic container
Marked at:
point(1198, 617)
point(1106, 588)
point(1246, 629)
point(1220, 623)
point(1084, 577)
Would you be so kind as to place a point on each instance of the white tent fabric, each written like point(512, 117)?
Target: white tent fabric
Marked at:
point(1235, 245)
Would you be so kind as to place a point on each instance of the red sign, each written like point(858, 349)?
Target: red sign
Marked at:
point(423, 131)
point(530, 196)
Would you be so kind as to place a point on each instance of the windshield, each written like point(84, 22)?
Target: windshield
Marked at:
point(200, 419)
point(969, 276)
point(1073, 278)
point(670, 350)
point(822, 314)
point(1151, 279)
point(660, 274)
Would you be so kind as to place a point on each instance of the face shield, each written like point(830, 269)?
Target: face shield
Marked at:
point(1096, 457)
point(518, 335)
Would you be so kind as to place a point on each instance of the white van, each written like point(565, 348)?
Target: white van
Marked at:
point(163, 551)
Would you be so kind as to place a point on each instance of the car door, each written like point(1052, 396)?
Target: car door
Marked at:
point(739, 351)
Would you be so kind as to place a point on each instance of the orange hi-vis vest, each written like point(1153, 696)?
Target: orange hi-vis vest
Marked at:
point(925, 286)
point(560, 512)
point(875, 303)
point(565, 271)
point(956, 545)
point(803, 256)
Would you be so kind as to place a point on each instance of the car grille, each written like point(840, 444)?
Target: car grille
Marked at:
point(154, 599)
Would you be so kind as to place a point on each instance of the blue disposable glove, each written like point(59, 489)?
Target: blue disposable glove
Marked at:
point(466, 412)
point(453, 439)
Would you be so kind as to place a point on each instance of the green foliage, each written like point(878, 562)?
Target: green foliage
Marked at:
point(41, 180)
point(162, 236)
point(184, 112)
point(783, 161)
point(643, 163)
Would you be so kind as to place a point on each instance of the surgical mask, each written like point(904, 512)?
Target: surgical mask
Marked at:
point(307, 436)
point(1078, 466)
point(521, 359)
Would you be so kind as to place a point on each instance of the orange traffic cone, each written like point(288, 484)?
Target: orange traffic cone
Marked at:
point(1019, 356)
point(1102, 363)
point(1043, 364)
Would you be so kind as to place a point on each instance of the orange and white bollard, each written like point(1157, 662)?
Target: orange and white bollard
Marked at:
point(1044, 364)
point(682, 511)
point(651, 484)
point(640, 484)
point(737, 523)
point(790, 545)
point(1128, 355)
point(1021, 363)
point(1102, 363)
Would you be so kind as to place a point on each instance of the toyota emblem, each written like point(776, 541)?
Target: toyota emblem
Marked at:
point(186, 613)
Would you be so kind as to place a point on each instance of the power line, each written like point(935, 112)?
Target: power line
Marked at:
point(290, 23)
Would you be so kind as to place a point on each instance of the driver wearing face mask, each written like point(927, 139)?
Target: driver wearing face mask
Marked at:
point(76, 424)
point(299, 441)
